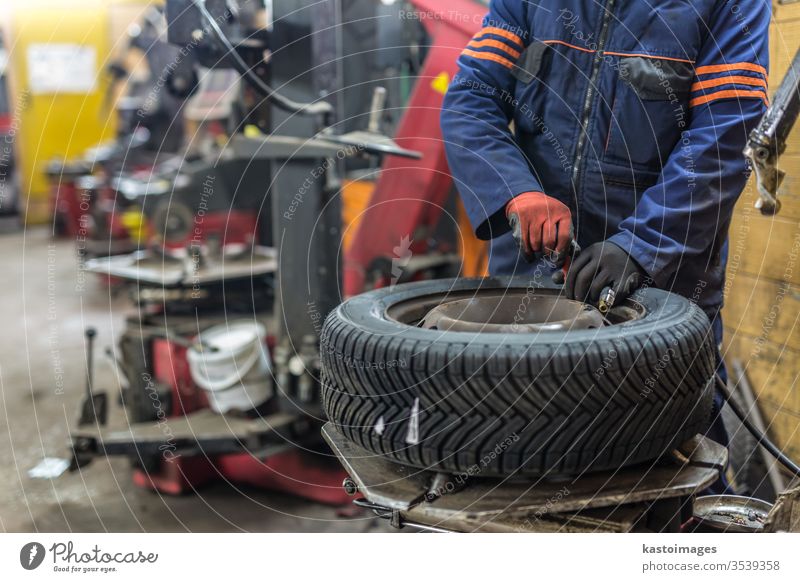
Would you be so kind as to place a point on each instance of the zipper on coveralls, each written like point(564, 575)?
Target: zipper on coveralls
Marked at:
point(590, 91)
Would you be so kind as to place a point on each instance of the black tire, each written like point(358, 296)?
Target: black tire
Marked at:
point(493, 404)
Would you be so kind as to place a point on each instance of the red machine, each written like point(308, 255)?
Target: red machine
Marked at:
point(70, 204)
point(292, 471)
point(410, 194)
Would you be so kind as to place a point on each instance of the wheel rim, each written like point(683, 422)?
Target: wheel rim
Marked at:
point(514, 310)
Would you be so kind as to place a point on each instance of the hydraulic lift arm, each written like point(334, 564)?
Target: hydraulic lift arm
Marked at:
point(767, 141)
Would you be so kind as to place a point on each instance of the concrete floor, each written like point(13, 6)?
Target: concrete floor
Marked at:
point(45, 307)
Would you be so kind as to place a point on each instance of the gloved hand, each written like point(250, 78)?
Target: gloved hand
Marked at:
point(540, 225)
point(602, 265)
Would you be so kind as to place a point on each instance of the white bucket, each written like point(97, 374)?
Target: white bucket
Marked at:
point(235, 375)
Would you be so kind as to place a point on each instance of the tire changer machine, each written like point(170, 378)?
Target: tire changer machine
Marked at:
point(290, 159)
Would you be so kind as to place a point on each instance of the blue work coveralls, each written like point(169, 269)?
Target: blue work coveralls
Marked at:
point(633, 113)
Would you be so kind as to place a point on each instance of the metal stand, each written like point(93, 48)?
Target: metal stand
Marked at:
point(306, 227)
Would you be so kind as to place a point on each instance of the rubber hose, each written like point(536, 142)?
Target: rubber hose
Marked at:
point(762, 439)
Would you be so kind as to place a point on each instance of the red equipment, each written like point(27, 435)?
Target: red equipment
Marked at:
point(294, 471)
point(70, 204)
point(410, 194)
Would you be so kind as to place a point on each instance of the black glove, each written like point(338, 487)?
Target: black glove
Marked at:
point(603, 265)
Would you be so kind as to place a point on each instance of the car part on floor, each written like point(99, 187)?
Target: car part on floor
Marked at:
point(544, 403)
point(654, 498)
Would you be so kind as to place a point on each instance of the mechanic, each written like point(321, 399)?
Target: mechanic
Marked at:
point(618, 122)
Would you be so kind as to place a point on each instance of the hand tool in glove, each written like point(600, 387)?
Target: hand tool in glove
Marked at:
point(541, 225)
point(603, 273)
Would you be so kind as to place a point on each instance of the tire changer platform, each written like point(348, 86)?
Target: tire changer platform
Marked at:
point(657, 498)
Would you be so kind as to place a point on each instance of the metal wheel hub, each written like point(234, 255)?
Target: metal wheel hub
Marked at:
point(513, 311)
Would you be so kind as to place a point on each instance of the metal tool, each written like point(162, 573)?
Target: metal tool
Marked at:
point(373, 141)
point(607, 299)
point(767, 141)
point(94, 408)
point(560, 277)
point(572, 251)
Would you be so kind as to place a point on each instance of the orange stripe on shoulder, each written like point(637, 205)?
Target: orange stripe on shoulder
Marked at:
point(500, 32)
point(494, 44)
point(730, 94)
point(730, 80)
point(489, 57)
point(709, 69)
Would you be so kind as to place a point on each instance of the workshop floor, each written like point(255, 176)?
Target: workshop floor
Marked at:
point(44, 308)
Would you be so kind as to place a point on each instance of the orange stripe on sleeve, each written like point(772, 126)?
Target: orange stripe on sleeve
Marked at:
point(494, 44)
point(500, 32)
point(489, 57)
point(730, 80)
point(708, 69)
point(730, 94)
